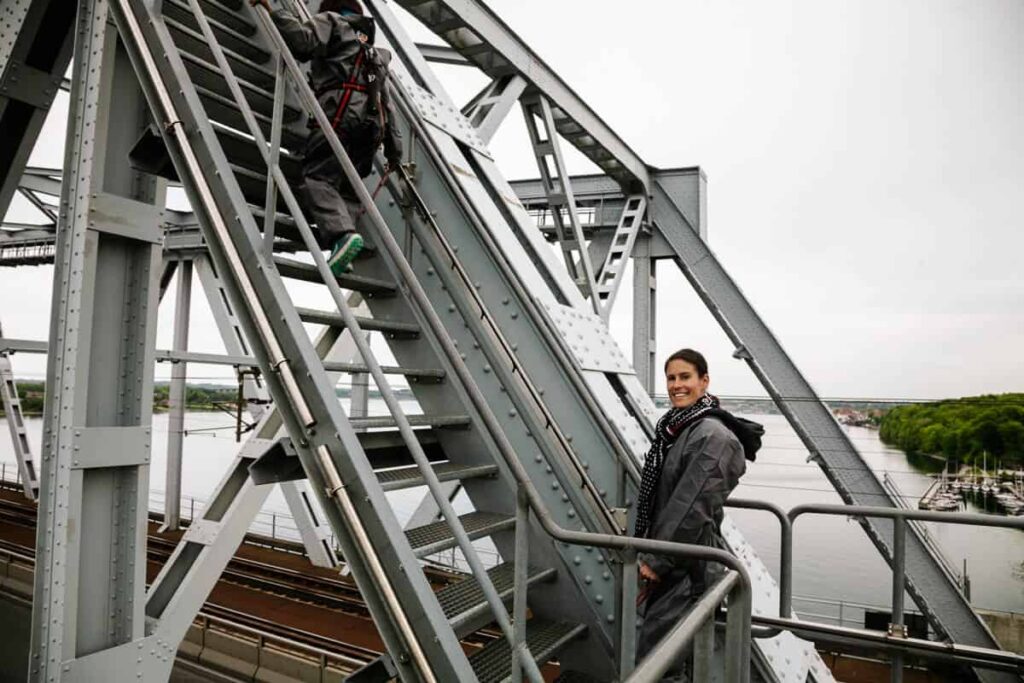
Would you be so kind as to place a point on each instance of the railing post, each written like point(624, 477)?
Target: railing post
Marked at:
point(704, 651)
point(522, 559)
point(737, 636)
point(273, 526)
point(627, 637)
point(896, 627)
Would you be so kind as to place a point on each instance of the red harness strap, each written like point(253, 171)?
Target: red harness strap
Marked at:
point(349, 86)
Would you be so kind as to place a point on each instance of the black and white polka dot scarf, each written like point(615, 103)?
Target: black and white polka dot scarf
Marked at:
point(665, 433)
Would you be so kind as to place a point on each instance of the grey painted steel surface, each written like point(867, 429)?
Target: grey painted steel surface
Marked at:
point(561, 201)
point(939, 599)
point(609, 276)
point(300, 388)
point(488, 109)
point(36, 39)
point(16, 423)
point(176, 399)
point(311, 529)
point(485, 40)
point(92, 515)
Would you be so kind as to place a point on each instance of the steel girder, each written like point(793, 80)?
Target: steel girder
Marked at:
point(92, 515)
point(36, 38)
point(291, 368)
point(473, 30)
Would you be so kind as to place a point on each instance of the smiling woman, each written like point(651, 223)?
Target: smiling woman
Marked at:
point(694, 463)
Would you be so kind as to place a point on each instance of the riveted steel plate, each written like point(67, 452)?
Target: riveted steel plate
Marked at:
point(202, 531)
point(588, 339)
point(442, 115)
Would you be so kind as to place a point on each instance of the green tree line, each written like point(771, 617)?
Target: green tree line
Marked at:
point(196, 397)
point(961, 429)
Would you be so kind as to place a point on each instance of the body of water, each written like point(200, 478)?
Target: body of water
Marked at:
point(833, 558)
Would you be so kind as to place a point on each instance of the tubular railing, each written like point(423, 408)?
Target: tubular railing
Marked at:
point(735, 585)
point(895, 639)
point(277, 182)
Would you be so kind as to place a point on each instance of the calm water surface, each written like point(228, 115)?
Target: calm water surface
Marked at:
point(833, 558)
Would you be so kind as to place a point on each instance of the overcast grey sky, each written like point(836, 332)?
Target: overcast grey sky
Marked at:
point(864, 166)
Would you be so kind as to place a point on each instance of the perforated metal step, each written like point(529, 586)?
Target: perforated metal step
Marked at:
point(307, 272)
point(387, 421)
point(431, 538)
point(493, 663)
point(424, 375)
point(408, 477)
point(393, 328)
point(463, 602)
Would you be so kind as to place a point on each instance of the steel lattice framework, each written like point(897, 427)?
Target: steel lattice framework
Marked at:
point(505, 345)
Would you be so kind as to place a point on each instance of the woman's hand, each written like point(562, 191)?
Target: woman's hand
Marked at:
point(647, 573)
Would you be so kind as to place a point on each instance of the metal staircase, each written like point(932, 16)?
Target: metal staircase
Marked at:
point(208, 71)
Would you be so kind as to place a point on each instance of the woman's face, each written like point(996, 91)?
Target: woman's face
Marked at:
point(685, 385)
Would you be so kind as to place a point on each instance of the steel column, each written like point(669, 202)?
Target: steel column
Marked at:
point(92, 517)
point(645, 314)
point(176, 399)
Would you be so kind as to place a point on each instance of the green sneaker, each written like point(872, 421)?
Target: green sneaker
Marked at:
point(344, 252)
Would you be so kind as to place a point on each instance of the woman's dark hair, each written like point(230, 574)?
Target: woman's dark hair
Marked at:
point(339, 5)
point(694, 358)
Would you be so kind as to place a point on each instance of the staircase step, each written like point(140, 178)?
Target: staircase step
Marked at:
point(417, 375)
point(241, 150)
point(409, 477)
point(391, 328)
point(189, 39)
point(493, 662)
point(223, 109)
point(437, 536)
point(307, 272)
point(227, 33)
point(387, 449)
point(208, 75)
point(464, 604)
point(386, 421)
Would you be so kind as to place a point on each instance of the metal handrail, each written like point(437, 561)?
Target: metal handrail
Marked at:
point(164, 104)
point(530, 498)
point(631, 545)
point(276, 177)
point(982, 657)
point(700, 619)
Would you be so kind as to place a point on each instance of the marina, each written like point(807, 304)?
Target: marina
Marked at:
point(1002, 489)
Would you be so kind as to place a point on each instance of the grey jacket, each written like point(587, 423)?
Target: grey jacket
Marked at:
point(701, 469)
point(331, 43)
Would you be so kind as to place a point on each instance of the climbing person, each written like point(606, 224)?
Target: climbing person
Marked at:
point(349, 75)
point(694, 463)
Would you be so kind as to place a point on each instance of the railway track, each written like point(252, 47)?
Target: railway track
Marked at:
point(312, 588)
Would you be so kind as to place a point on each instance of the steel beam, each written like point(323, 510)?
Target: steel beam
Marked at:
point(176, 399)
point(16, 422)
point(311, 529)
point(36, 39)
point(645, 315)
point(491, 105)
point(483, 38)
point(92, 517)
point(561, 200)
